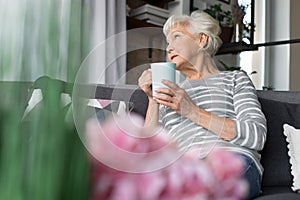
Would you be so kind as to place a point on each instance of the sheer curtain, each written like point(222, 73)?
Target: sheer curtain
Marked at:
point(106, 61)
point(54, 37)
point(40, 38)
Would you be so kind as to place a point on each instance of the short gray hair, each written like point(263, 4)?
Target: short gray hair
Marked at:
point(198, 22)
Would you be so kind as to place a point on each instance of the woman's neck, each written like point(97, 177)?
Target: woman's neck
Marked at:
point(202, 68)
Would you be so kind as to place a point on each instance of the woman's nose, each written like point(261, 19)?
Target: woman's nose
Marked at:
point(169, 49)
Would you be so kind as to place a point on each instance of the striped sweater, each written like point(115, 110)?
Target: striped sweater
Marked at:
point(227, 94)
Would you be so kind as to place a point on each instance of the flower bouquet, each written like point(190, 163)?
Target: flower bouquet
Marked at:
point(131, 162)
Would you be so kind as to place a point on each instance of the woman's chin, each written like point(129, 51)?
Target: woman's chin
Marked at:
point(181, 65)
point(178, 64)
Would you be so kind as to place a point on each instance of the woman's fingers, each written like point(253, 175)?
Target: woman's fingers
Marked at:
point(166, 100)
point(166, 91)
point(145, 78)
point(165, 103)
point(164, 97)
point(175, 98)
point(145, 82)
point(170, 84)
point(171, 90)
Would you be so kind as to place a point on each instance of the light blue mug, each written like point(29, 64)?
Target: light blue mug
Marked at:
point(162, 71)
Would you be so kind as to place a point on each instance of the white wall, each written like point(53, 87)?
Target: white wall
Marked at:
point(259, 63)
point(277, 57)
point(282, 61)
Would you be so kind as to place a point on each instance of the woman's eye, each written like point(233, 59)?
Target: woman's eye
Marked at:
point(176, 36)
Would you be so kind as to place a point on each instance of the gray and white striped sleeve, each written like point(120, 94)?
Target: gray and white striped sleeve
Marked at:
point(250, 121)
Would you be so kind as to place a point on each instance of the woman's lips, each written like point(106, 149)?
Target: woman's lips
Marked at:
point(174, 56)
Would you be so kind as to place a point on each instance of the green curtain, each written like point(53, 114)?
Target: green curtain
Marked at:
point(43, 37)
point(41, 156)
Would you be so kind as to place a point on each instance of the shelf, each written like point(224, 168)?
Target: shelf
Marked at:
point(159, 3)
point(235, 48)
point(133, 23)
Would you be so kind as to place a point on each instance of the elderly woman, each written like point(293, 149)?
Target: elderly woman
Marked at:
point(210, 107)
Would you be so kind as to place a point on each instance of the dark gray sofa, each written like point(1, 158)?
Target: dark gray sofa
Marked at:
point(279, 107)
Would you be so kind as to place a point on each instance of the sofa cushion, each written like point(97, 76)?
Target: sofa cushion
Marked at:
point(293, 138)
point(275, 159)
point(277, 190)
point(280, 196)
point(280, 193)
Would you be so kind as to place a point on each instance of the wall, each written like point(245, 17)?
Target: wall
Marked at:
point(259, 62)
point(144, 46)
point(183, 6)
point(203, 4)
point(295, 48)
point(179, 7)
point(278, 56)
point(282, 61)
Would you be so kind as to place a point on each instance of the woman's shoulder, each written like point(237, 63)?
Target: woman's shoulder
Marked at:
point(238, 78)
point(235, 73)
point(224, 77)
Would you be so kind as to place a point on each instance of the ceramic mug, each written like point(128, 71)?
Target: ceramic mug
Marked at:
point(162, 71)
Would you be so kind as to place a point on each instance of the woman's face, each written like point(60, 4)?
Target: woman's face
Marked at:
point(183, 47)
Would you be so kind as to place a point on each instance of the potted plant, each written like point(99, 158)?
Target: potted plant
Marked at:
point(246, 35)
point(225, 19)
point(228, 19)
point(233, 68)
point(238, 11)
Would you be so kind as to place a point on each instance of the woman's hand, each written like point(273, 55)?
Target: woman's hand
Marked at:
point(177, 99)
point(145, 82)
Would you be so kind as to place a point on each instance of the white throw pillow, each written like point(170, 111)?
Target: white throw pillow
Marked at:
point(293, 139)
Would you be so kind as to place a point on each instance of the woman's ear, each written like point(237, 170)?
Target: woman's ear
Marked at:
point(202, 39)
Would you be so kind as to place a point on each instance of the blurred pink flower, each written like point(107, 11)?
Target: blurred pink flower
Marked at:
point(130, 162)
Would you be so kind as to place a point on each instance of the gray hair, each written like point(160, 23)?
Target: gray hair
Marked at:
point(198, 22)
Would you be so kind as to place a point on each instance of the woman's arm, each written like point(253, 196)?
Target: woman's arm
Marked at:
point(250, 121)
point(178, 100)
point(221, 126)
point(247, 129)
point(152, 114)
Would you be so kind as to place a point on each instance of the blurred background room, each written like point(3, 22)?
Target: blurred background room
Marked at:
point(49, 46)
